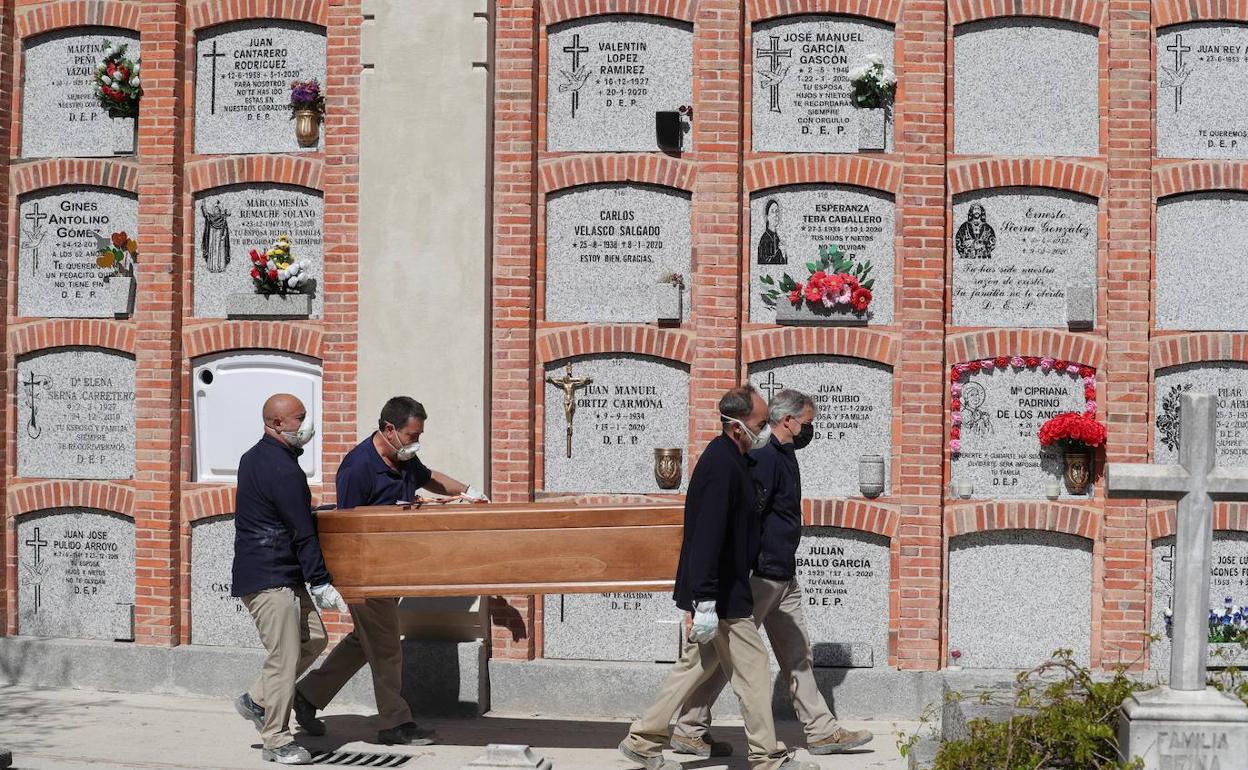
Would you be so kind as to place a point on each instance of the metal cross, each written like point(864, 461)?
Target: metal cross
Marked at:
point(568, 384)
point(774, 55)
point(1195, 483)
point(1179, 49)
point(770, 386)
point(212, 110)
point(576, 49)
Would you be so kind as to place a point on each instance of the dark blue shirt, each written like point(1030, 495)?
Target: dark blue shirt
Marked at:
point(275, 544)
point(780, 487)
point(364, 478)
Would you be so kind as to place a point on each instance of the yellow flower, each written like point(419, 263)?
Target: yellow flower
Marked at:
point(105, 260)
point(132, 246)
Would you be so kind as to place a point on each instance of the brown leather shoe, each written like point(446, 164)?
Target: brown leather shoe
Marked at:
point(701, 746)
point(840, 740)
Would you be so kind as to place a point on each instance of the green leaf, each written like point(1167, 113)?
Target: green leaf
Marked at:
point(767, 279)
point(813, 267)
point(787, 284)
point(868, 284)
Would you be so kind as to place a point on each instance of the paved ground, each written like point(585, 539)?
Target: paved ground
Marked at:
point(91, 730)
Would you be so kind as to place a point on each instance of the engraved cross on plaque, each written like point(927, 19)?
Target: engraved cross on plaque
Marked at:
point(568, 384)
point(32, 383)
point(770, 386)
point(35, 217)
point(1195, 482)
point(212, 105)
point(1179, 49)
point(37, 543)
point(774, 54)
point(576, 49)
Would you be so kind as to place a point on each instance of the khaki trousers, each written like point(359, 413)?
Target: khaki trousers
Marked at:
point(291, 632)
point(375, 641)
point(778, 604)
point(739, 651)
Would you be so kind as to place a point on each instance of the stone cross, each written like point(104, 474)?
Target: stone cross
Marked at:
point(1195, 482)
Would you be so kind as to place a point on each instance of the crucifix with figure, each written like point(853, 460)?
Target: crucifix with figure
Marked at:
point(1188, 703)
point(568, 384)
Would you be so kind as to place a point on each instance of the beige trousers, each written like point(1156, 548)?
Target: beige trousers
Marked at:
point(778, 605)
point(291, 632)
point(738, 650)
point(375, 641)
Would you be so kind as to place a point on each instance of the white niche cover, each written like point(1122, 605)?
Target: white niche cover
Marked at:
point(229, 392)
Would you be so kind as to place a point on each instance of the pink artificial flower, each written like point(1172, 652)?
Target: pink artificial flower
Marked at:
point(1017, 362)
point(955, 446)
point(1072, 369)
point(962, 368)
point(1089, 407)
point(987, 364)
point(956, 418)
point(956, 389)
point(1089, 382)
point(1046, 363)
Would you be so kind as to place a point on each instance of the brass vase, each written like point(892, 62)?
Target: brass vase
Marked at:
point(667, 468)
point(1077, 469)
point(307, 127)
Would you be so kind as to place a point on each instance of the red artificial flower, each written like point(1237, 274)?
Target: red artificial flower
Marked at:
point(1059, 365)
point(795, 296)
point(1089, 392)
point(255, 273)
point(956, 405)
point(954, 375)
point(122, 72)
point(850, 281)
point(255, 257)
point(1032, 361)
point(1072, 428)
point(955, 432)
point(112, 69)
point(814, 291)
point(272, 274)
point(860, 299)
point(1002, 362)
point(119, 239)
point(974, 366)
point(117, 96)
point(1087, 371)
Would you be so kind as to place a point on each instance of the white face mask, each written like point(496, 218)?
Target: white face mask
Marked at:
point(757, 441)
point(404, 453)
point(298, 438)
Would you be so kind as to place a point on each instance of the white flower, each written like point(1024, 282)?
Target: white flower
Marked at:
point(106, 80)
point(294, 281)
point(101, 67)
point(874, 58)
point(295, 268)
point(889, 77)
point(135, 66)
point(283, 274)
point(858, 73)
point(134, 80)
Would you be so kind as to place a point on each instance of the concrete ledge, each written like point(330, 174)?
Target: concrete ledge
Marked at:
point(600, 689)
point(439, 678)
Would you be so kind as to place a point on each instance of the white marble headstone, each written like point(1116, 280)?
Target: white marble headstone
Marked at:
point(607, 246)
point(606, 76)
point(635, 626)
point(1015, 250)
point(1002, 412)
point(1199, 276)
point(1228, 381)
point(61, 116)
point(1016, 596)
point(634, 405)
point(231, 221)
point(75, 569)
point(853, 416)
point(1025, 86)
point(802, 95)
point(243, 72)
point(58, 246)
point(1228, 577)
point(1201, 71)
point(216, 617)
point(789, 224)
point(75, 415)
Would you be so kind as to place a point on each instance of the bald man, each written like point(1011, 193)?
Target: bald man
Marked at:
point(276, 552)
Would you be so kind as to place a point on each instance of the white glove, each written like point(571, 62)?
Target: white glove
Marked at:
point(471, 493)
point(705, 623)
point(326, 597)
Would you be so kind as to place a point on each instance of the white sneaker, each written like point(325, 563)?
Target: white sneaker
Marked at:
point(290, 754)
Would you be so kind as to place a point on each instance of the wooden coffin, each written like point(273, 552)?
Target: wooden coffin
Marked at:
point(501, 548)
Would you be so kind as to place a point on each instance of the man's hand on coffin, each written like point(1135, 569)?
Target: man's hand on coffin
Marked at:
point(705, 623)
point(326, 597)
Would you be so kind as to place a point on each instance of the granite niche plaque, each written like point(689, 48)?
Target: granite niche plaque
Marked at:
point(61, 116)
point(1002, 412)
point(216, 617)
point(1200, 283)
point(1016, 596)
point(1015, 250)
point(622, 408)
point(231, 221)
point(608, 246)
point(802, 93)
point(75, 570)
point(1228, 380)
point(789, 224)
point(1025, 86)
point(633, 626)
point(1228, 578)
point(243, 72)
point(58, 244)
point(606, 76)
point(844, 575)
point(75, 415)
point(1200, 70)
point(853, 416)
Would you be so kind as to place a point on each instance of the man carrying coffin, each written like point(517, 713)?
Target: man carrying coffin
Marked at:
point(718, 550)
point(777, 594)
point(383, 469)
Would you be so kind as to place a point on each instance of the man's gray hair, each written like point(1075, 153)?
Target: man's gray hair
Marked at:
point(737, 403)
point(788, 403)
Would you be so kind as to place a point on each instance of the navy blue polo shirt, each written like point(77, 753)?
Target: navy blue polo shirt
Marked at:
point(364, 478)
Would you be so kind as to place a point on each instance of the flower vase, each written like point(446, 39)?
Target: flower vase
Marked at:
point(120, 290)
point(872, 127)
point(257, 306)
point(122, 132)
point(669, 310)
point(804, 314)
point(307, 127)
point(871, 475)
point(1077, 469)
point(667, 468)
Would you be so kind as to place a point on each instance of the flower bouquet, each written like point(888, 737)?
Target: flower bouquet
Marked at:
point(1078, 435)
point(835, 282)
point(117, 83)
point(307, 107)
point(118, 253)
point(276, 272)
point(1230, 626)
point(874, 84)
